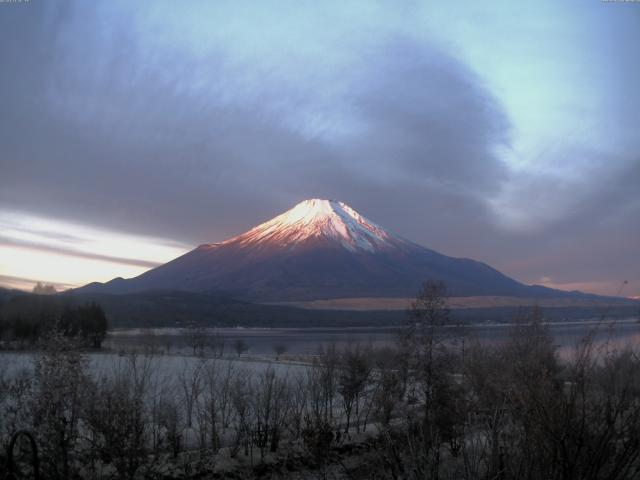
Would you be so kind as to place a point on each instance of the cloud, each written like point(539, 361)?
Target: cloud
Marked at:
point(430, 117)
point(21, 283)
point(74, 254)
point(42, 247)
point(124, 141)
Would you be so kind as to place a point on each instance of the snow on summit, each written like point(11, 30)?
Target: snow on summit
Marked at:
point(322, 220)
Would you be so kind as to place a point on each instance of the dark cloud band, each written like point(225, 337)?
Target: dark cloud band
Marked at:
point(76, 253)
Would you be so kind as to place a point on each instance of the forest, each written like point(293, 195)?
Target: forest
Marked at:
point(27, 320)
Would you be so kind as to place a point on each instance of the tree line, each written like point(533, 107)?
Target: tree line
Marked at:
point(25, 320)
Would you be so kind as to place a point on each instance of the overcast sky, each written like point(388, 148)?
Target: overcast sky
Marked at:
point(504, 131)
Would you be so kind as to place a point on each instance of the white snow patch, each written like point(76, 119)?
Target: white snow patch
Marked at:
point(317, 218)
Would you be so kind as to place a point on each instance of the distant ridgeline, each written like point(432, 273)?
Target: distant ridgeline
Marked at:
point(27, 319)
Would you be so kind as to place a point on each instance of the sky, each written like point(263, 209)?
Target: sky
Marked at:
point(508, 132)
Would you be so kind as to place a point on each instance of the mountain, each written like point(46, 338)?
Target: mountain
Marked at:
point(320, 249)
point(8, 293)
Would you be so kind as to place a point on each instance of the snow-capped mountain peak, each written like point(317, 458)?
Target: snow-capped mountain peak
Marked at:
point(319, 219)
point(320, 249)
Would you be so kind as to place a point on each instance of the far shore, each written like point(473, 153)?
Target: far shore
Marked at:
point(393, 303)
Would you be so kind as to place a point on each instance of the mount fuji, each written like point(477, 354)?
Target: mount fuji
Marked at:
point(320, 249)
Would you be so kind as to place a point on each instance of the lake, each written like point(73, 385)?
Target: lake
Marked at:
point(303, 341)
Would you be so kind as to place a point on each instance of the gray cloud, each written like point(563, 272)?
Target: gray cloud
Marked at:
point(22, 283)
point(70, 252)
point(430, 117)
point(117, 141)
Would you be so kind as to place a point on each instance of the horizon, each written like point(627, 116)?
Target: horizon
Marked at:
point(132, 133)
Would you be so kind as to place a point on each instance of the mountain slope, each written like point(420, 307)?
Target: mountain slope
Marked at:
point(320, 249)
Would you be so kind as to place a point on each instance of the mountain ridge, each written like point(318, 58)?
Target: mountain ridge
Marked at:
point(321, 249)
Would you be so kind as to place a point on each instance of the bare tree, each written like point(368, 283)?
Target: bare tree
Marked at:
point(426, 342)
point(217, 345)
point(387, 393)
point(431, 394)
point(354, 374)
point(241, 391)
point(117, 419)
point(428, 316)
point(190, 381)
point(582, 421)
point(298, 404)
point(240, 346)
point(216, 402)
point(16, 393)
point(170, 418)
point(59, 388)
point(270, 410)
point(196, 338)
point(279, 349)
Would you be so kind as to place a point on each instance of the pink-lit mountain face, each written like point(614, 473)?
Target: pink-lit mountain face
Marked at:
point(319, 249)
point(318, 221)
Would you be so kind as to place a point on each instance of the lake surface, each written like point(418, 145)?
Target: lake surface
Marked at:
point(619, 334)
point(172, 353)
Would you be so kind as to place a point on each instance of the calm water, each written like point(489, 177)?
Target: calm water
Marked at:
point(307, 341)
